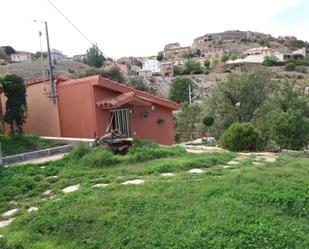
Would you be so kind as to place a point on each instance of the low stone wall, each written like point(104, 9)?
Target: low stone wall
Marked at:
point(35, 154)
point(75, 142)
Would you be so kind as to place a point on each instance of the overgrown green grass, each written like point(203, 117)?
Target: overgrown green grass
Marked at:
point(19, 144)
point(253, 207)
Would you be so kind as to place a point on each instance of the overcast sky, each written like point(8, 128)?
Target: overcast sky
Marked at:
point(143, 27)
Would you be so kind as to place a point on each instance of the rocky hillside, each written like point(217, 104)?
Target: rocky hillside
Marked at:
point(33, 70)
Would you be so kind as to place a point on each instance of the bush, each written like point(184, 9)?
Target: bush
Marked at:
point(290, 66)
point(240, 137)
point(290, 129)
point(301, 69)
point(191, 67)
point(270, 61)
point(206, 71)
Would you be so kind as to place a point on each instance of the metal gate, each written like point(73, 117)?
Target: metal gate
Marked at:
point(120, 120)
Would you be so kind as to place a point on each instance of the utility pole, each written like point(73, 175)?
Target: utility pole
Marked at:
point(50, 67)
point(190, 101)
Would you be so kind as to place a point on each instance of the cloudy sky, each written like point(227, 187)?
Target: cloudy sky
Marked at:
point(143, 27)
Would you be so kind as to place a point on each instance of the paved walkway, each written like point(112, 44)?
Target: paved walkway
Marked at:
point(43, 159)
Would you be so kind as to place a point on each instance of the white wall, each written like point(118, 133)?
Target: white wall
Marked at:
point(152, 65)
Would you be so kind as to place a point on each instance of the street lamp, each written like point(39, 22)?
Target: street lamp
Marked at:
point(50, 67)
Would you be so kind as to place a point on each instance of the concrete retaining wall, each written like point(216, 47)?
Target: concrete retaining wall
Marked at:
point(35, 154)
point(75, 142)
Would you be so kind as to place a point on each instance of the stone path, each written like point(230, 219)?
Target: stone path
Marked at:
point(167, 174)
point(5, 223)
point(47, 192)
point(70, 189)
point(10, 213)
point(260, 159)
point(32, 209)
point(134, 182)
point(100, 185)
point(195, 171)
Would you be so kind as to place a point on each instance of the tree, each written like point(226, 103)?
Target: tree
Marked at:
point(3, 55)
point(94, 57)
point(14, 89)
point(207, 64)
point(9, 50)
point(160, 56)
point(189, 116)
point(225, 58)
point(37, 55)
point(264, 42)
point(241, 98)
point(290, 129)
point(208, 121)
point(191, 67)
point(198, 52)
point(179, 91)
point(270, 60)
point(114, 74)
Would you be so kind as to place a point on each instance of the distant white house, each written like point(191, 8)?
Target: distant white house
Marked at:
point(257, 55)
point(79, 57)
point(152, 65)
point(56, 54)
point(21, 56)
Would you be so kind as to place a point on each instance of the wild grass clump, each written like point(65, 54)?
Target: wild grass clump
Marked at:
point(100, 158)
point(145, 154)
point(142, 151)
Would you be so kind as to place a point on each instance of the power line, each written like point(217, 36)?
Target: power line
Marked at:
point(79, 31)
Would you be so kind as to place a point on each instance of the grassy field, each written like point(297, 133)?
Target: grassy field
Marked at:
point(11, 145)
point(244, 206)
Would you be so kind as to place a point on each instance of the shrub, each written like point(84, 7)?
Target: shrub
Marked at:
point(240, 137)
point(270, 61)
point(301, 69)
point(206, 71)
point(191, 67)
point(290, 66)
point(290, 130)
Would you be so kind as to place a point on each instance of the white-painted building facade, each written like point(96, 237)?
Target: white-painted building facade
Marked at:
point(21, 56)
point(257, 55)
point(152, 65)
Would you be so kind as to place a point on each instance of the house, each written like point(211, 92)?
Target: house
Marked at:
point(56, 55)
point(174, 50)
point(167, 68)
point(144, 73)
point(257, 55)
point(152, 65)
point(90, 107)
point(21, 56)
point(79, 57)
